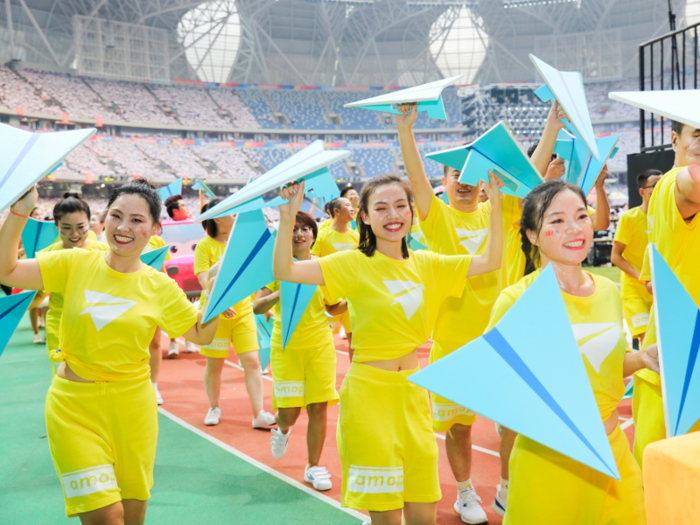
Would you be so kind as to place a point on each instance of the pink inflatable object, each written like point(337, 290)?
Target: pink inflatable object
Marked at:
point(181, 269)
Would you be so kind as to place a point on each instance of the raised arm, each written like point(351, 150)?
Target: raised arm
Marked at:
point(422, 190)
point(601, 218)
point(24, 274)
point(688, 191)
point(543, 153)
point(284, 267)
point(492, 257)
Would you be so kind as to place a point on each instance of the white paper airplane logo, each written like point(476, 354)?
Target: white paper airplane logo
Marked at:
point(596, 341)
point(471, 239)
point(341, 247)
point(411, 295)
point(105, 308)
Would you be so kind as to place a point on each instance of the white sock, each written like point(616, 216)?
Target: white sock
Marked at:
point(465, 485)
point(504, 483)
point(155, 385)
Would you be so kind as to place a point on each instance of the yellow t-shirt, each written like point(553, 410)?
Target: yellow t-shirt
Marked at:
point(206, 254)
point(325, 224)
point(451, 232)
point(677, 242)
point(330, 241)
point(632, 232)
point(313, 330)
point(109, 318)
point(394, 303)
point(597, 325)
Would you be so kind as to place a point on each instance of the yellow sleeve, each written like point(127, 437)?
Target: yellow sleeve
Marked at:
point(55, 267)
point(340, 271)
point(501, 306)
point(355, 235)
point(92, 236)
point(450, 272)
point(316, 248)
point(623, 232)
point(178, 314)
point(645, 273)
point(201, 258)
point(273, 286)
point(591, 211)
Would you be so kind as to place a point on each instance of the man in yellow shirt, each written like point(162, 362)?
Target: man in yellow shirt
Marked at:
point(631, 242)
point(674, 228)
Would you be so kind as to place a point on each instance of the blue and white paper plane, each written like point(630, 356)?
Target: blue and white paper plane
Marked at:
point(677, 104)
point(12, 309)
point(246, 265)
point(678, 337)
point(174, 188)
point(582, 168)
point(428, 96)
point(516, 379)
point(310, 164)
point(155, 258)
point(38, 235)
point(199, 185)
point(27, 157)
point(295, 298)
point(264, 330)
point(567, 88)
point(495, 150)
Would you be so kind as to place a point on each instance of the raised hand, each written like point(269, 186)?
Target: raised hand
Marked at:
point(294, 193)
point(600, 181)
point(493, 188)
point(407, 116)
point(26, 202)
point(555, 170)
point(555, 116)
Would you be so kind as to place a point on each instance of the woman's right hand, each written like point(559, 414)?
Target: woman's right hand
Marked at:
point(26, 203)
point(294, 193)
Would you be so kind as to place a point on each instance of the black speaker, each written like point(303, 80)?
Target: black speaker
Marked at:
point(638, 162)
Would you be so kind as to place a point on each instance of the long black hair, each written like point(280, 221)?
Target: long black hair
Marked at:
point(144, 189)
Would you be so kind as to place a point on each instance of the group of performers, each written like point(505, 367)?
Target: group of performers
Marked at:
point(106, 310)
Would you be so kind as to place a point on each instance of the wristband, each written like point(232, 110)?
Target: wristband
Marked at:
point(13, 212)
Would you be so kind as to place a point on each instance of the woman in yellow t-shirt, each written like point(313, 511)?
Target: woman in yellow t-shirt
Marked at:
point(237, 328)
point(101, 415)
point(72, 217)
point(303, 371)
point(557, 230)
point(385, 439)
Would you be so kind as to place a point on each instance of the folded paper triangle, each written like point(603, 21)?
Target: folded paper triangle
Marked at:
point(174, 188)
point(676, 104)
point(28, 157)
point(517, 378)
point(199, 185)
point(295, 298)
point(38, 235)
point(264, 331)
point(155, 258)
point(582, 168)
point(678, 336)
point(12, 309)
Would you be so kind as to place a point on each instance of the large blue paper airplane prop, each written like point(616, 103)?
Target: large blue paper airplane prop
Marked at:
point(428, 96)
point(38, 235)
point(264, 329)
point(310, 164)
point(567, 88)
point(495, 150)
point(174, 188)
point(678, 335)
point(27, 157)
point(246, 265)
point(677, 104)
point(12, 309)
point(515, 378)
point(199, 185)
point(295, 298)
point(155, 258)
point(582, 168)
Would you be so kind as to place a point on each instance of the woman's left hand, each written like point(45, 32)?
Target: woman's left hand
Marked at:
point(294, 193)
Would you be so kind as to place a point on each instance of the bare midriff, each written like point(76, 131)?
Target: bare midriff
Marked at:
point(65, 372)
point(405, 362)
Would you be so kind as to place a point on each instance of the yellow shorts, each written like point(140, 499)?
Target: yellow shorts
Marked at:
point(636, 306)
point(445, 412)
point(546, 485)
point(102, 438)
point(242, 332)
point(387, 449)
point(303, 376)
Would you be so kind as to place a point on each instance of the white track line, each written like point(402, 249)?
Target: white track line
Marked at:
point(627, 424)
point(294, 483)
point(475, 447)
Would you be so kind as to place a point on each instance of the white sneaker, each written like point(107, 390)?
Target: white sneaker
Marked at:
point(467, 506)
point(173, 349)
point(279, 443)
point(499, 504)
point(319, 477)
point(264, 419)
point(499, 429)
point(212, 417)
point(159, 398)
point(190, 348)
point(38, 339)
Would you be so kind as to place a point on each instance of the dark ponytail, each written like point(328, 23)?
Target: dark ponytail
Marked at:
point(145, 190)
point(70, 203)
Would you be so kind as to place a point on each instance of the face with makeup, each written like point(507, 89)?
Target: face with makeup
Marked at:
point(686, 146)
point(460, 194)
point(95, 224)
point(129, 225)
point(73, 228)
point(566, 233)
point(389, 213)
point(302, 240)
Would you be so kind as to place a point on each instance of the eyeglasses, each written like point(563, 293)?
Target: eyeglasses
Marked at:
point(652, 186)
point(303, 230)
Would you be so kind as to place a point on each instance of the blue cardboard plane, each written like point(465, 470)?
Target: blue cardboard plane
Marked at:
point(495, 150)
point(516, 379)
point(174, 188)
point(582, 168)
point(155, 258)
point(264, 330)
point(38, 235)
point(199, 185)
point(678, 336)
point(26, 157)
point(295, 299)
point(12, 309)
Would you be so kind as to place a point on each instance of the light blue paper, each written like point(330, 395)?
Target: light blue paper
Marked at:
point(607, 147)
point(26, 157)
point(155, 258)
point(199, 185)
point(678, 336)
point(629, 390)
point(416, 241)
point(12, 309)
point(246, 265)
point(515, 377)
point(581, 166)
point(264, 330)
point(675, 104)
point(295, 298)
point(567, 88)
point(174, 188)
point(38, 235)
point(495, 150)
point(310, 164)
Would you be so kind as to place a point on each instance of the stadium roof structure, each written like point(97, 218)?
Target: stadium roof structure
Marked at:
point(333, 42)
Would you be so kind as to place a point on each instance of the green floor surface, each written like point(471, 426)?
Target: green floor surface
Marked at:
point(195, 480)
